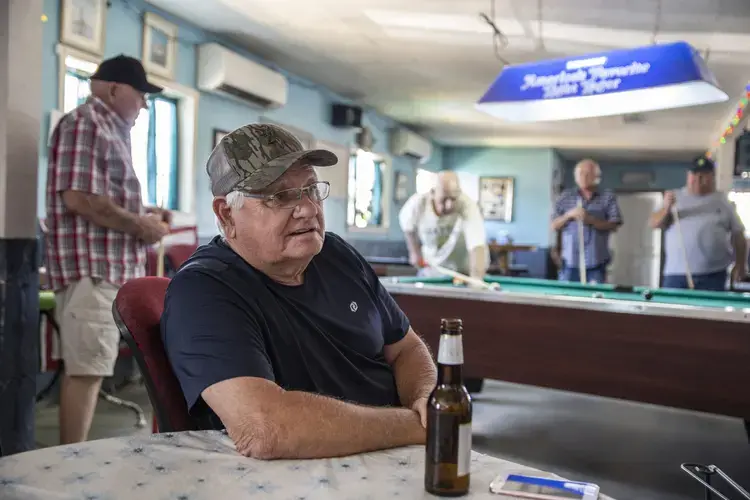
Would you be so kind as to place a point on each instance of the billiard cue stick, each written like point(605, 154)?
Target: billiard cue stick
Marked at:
point(688, 274)
point(160, 259)
point(581, 250)
point(462, 277)
point(160, 254)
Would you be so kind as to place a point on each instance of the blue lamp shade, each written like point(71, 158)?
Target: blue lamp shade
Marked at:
point(637, 80)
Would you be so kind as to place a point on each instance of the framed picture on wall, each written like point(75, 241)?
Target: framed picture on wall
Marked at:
point(218, 136)
point(401, 192)
point(496, 198)
point(82, 24)
point(159, 46)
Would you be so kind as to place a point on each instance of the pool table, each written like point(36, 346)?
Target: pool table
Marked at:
point(679, 348)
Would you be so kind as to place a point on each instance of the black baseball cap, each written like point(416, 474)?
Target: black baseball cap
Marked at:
point(128, 70)
point(702, 165)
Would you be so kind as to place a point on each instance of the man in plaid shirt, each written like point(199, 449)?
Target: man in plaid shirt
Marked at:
point(600, 215)
point(98, 231)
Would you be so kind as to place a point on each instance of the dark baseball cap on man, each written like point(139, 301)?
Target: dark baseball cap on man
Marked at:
point(702, 165)
point(252, 157)
point(128, 70)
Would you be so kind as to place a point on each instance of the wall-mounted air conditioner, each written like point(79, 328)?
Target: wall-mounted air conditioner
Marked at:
point(406, 143)
point(224, 72)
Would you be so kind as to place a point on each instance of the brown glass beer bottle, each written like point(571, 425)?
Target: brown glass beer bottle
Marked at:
point(448, 445)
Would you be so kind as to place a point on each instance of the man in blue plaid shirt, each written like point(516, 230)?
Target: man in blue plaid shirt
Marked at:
point(599, 213)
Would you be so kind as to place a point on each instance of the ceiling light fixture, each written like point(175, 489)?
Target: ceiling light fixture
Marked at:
point(636, 80)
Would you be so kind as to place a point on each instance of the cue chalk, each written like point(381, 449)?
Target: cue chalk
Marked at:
point(688, 274)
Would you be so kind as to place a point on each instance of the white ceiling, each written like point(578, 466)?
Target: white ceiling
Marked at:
point(428, 63)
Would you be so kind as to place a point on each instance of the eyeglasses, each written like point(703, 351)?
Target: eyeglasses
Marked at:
point(290, 198)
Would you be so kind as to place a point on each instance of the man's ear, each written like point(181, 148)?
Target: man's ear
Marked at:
point(224, 214)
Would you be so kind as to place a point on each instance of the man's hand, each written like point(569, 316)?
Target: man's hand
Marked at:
point(669, 199)
point(577, 213)
point(420, 406)
point(153, 228)
point(416, 260)
point(739, 272)
point(166, 215)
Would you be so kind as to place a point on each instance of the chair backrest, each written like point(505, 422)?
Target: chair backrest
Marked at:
point(175, 254)
point(137, 312)
point(178, 253)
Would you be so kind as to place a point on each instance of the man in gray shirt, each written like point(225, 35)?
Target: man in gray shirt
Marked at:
point(712, 233)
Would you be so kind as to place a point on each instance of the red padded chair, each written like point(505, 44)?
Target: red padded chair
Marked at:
point(137, 311)
point(174, 256)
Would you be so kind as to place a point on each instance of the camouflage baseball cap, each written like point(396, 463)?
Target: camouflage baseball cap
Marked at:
point(253, 156)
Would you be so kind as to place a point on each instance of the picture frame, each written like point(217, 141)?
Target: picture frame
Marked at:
point(496, 198)
point(218, 136)
point(159, 46)
point(401, 189)
point(82, 24)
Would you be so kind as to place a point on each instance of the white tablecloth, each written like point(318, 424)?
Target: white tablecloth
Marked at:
point(205, 465)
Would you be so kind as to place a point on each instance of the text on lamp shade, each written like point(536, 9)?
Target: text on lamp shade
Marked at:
point(593, 80)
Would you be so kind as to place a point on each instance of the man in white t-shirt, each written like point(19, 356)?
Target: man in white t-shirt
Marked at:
point(444, 227)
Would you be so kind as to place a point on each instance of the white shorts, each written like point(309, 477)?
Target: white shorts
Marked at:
point(89, 337)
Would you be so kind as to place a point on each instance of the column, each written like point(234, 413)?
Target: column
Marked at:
point(20, 112)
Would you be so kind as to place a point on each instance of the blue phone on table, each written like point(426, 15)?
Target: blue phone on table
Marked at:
point(522, 486)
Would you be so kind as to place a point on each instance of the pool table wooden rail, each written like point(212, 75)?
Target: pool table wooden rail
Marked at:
point(679, 360)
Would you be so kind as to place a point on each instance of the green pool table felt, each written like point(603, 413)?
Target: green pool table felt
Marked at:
point(695, 298)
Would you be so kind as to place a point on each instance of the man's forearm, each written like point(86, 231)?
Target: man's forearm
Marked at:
point(416, 374)
point(412, 243)
point(478, 262)
point(559, 222)
point(661, 219)
point(102, 211)
point(601, 224)
point(740, 250)
point(305, 425)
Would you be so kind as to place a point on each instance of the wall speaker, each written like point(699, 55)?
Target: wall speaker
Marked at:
point(345, 116)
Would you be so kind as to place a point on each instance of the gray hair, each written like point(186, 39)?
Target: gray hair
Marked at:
point(235, 200)
point(587, 161)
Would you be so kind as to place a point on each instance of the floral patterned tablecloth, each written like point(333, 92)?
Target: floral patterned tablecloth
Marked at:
point(204, 465)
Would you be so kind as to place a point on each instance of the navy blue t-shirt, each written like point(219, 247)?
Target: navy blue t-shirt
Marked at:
point(224, 319)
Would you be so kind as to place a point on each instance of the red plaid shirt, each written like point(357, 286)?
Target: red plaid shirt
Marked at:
point(90, 152)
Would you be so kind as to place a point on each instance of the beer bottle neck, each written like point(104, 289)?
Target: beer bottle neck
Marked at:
point(450, 374)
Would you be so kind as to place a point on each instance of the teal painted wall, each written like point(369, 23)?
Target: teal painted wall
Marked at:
point(665, 175)
point(532, 170)
point(307, 108)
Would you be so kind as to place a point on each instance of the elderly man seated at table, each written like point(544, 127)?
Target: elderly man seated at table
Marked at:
point(281, 332)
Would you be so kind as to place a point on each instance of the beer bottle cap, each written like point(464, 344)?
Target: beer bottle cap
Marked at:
point(451, 324)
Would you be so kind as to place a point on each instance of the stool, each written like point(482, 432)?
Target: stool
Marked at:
point(47, 310)
point(124, 351)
